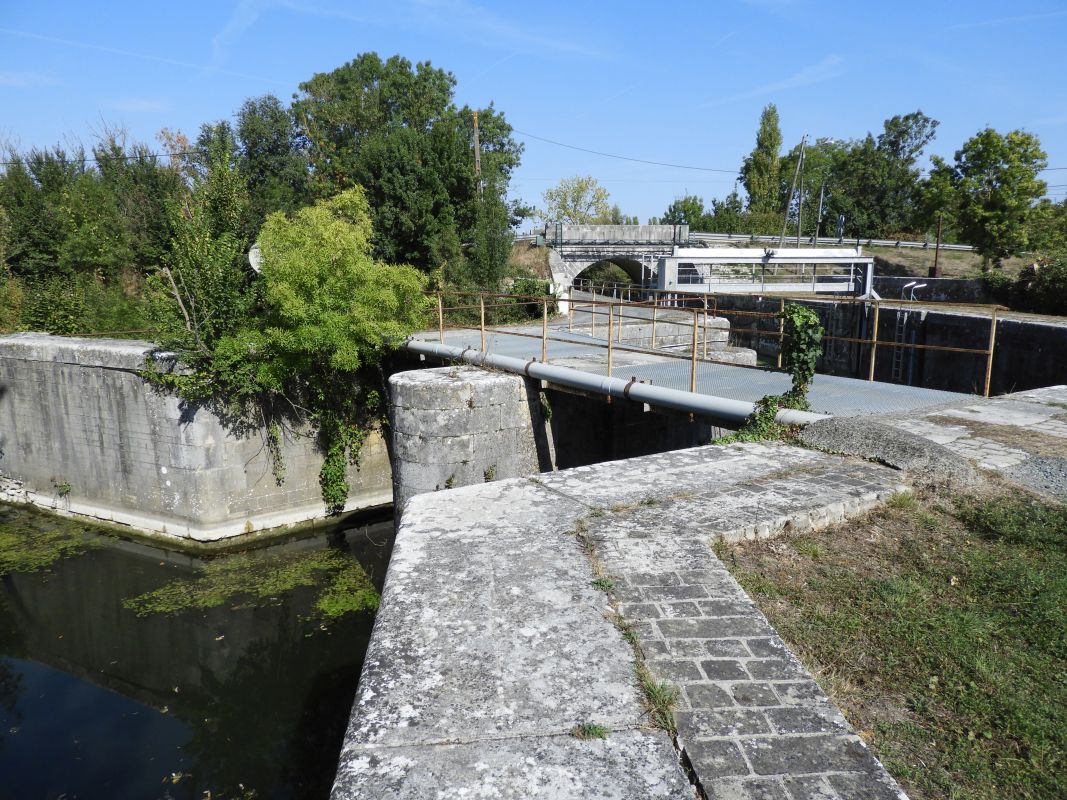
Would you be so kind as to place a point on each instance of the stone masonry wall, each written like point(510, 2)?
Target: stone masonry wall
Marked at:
point(457, 426)
point(81, 432)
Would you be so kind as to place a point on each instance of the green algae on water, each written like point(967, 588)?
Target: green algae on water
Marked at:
point(31, 541)
point(248, 579)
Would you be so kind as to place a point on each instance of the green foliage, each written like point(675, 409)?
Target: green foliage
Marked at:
point(304, 341)
point(761, 169)
point(1041, 288)
point(249, 579)
point(75, 304)
point(801, 348)
point(578, 200)
point(605, 272)
point(994, 185)
point(393, 128)
point(603, 584)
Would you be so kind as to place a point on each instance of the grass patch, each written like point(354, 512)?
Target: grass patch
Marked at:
point(589, 730)
point(31, 540)
point(604, 584)
point(940, 626)
point(250, 579)
point(660, 699)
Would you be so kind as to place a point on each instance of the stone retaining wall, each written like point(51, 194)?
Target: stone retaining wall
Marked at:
point(82, 433)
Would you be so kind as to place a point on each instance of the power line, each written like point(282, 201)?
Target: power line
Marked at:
point(623, 158)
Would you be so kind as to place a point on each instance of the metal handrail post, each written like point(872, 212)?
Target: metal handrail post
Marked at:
point(992, 345)
point(440, 319)
point(781, 329)
point(874, 342)
point(544, 330)
point(610, 314)
point(705, 327)
point(655, 305)
point(592, 315)
point(570, 308)
point(481, 311)
point(693, 359)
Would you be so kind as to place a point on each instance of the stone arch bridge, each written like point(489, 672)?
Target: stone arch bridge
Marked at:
point(634, 248)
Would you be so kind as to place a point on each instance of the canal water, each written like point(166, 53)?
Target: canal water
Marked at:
point(131, 671)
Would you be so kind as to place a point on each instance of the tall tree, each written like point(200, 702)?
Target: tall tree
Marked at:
point(995, 179)
point(393, 128)
point(686, 210)
point(270, 159)
point(578, 200)
point(761, 170)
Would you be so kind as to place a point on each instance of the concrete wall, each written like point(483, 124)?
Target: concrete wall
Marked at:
point(75, 412)
point(943, 290)
point(461, 426)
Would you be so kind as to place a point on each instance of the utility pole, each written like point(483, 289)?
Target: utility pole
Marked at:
point(935, 270)
point(818, 219)
point(477, 155)
point(800, 194)
point(792, 188)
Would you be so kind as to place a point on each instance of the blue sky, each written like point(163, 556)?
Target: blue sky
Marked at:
point(681, 83)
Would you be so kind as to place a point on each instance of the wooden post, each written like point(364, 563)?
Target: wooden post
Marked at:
point(781, 329)
point(544, 330)
point(874, 342)
point(440, 319)
point(693, 359)
point(610, 322)
point(935, 270)
point(481, 310)
point(655, 305)
point(992, 345)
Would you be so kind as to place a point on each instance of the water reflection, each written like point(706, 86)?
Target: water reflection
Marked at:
point(237, 701)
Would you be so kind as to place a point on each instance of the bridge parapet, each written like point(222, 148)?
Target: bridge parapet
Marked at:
point(557, 233)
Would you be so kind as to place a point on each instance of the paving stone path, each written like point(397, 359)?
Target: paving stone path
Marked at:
point(1008, 434)
point(493, 642)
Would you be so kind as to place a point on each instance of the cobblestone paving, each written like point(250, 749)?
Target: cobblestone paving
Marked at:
point(1038, 411)
point(751, 720)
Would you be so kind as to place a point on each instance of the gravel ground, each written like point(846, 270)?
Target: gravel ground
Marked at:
point(1043, 474)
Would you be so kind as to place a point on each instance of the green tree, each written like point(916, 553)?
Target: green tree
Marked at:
point(578, 200)
point(302, 342)
point(270, 159)
point(687, 210)
point(393, 128)
point(995, 182)
point(761, 170)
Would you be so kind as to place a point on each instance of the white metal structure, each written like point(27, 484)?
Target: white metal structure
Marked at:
point(720, 270)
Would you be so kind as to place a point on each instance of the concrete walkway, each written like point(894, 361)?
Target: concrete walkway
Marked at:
point(494, 639)
point(829, 394)
point(1021, 435)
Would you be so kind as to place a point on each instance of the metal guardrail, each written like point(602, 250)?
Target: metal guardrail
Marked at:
point(618, 303)
point(828, 240)
point(855, 241)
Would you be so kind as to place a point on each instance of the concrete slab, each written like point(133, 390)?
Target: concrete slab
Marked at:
point(626, 765)
point(492, 642)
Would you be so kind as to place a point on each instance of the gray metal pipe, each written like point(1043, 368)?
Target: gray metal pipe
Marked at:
point(720, 409)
